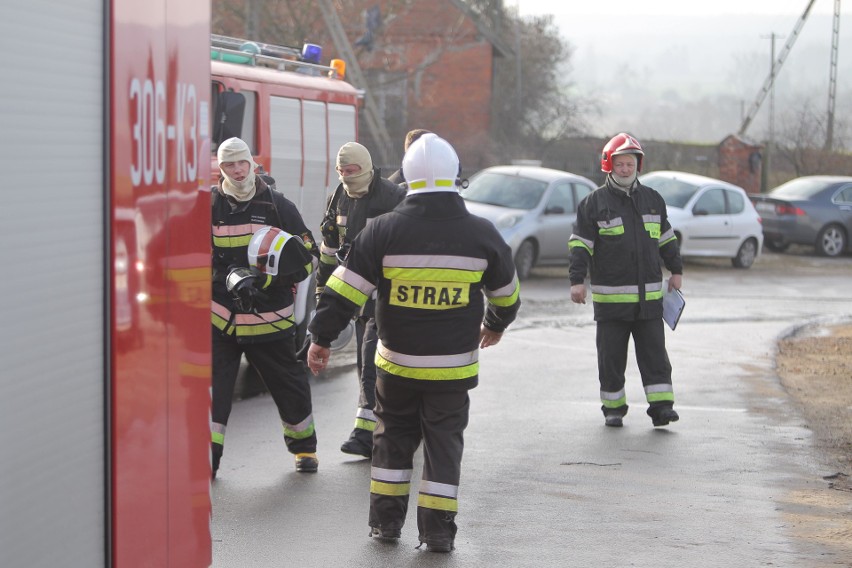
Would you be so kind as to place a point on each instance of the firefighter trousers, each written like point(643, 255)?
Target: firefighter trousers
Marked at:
point(285, 377)
point(404, 417)
point(651, 357)
point(366, 338)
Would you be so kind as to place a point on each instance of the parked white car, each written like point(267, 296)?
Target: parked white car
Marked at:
point(534, 209)
point(711, 217)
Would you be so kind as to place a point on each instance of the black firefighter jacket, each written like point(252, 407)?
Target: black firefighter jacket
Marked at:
point(350, 217)
point(440, 273)
point(234, 223)
point(619, 239)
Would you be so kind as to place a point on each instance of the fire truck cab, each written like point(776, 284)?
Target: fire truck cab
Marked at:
point(294, 114)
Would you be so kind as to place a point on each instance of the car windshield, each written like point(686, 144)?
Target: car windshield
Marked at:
point(505, 190)
point(800, 188)
point(675, 192)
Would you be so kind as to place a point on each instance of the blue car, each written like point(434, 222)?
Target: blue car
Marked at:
point(811, 210)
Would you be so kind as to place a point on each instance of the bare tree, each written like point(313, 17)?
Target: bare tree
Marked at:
point(801, 139)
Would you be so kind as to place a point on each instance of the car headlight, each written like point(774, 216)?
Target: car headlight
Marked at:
point(508, 221)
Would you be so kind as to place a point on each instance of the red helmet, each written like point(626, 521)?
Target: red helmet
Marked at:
point(621, 144)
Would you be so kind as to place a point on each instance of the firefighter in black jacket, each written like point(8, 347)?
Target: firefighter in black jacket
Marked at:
point(432, 265)
point(252, 308)
point(361, 196)
point(621, 232)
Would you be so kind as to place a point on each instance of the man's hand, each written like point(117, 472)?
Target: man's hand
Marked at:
point(675, 281)
point(488, 337)
point(578, 293)
point(318, 358)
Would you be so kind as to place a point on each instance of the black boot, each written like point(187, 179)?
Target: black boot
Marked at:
point(360, 443)
point(215, 456)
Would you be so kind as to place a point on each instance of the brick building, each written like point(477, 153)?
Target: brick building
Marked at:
point(429, 64)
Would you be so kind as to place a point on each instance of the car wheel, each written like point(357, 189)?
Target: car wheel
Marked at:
point(746, 255)
point(776, 245)
point(524, 259)
point(831, 241)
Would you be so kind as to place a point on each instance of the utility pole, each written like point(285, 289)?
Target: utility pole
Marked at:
point(767, 153)
point(832, 77)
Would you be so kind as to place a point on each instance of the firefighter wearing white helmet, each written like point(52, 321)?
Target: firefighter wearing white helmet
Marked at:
point(432, 266)
point(624, 228)
point(261, 247)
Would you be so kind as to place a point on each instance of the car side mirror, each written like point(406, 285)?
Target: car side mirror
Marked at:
point(555, 210)
point(699, 212)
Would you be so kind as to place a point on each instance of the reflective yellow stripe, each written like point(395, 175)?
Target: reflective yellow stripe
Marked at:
point(427, 373)
point(660, 396)
point(348, 291)
point(438, 503)
point(612, 230)
point(263, 329)
point(217, 438)
point(625, 298)
point(232, 242)
point(653, 230)
point(504, 301)
point(365, 424)
point(392, 489)
point(220, 323)
point(299, 434)
point(432, 274)
point(614, 403)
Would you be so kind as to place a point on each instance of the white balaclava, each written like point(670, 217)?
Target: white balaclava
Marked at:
point(625, 183)
point(359, 184)
point(235, 150)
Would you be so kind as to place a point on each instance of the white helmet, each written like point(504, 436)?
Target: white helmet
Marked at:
point(265, 249)
point(431, 164)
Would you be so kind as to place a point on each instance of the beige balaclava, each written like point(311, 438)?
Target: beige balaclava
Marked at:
point(235, 150)
point(359, 184)
point(625, 183)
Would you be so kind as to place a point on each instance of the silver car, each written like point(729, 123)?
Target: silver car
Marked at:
point(534, 209)
point(710, 217)
point(810, 210)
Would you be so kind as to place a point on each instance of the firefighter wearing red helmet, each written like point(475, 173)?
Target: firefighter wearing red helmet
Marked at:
point(622, 231)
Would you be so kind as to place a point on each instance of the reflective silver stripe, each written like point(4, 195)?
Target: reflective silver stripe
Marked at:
point(653, 286)
point(304, 424)
point(506, 290)
point(668, 235)
point(596, 289)
point(440, 489)
point(434, 261)
point(576, 237)
point(327, 249)
point(264, 317)
point(354, 279)
point(366, 414)
point(617, 222)
point(612, 395)
point(341, 220)
point(651, 218)
point(659, 387)
point(217, 428)
point(429, 361)
point(236, 230)
point(390, 475)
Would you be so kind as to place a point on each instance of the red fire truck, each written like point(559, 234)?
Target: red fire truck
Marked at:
point(108, 127)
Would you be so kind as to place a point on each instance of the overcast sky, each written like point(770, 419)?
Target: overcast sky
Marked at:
point(673, 52)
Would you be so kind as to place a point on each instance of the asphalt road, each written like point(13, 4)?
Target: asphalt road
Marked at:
point(544, 483)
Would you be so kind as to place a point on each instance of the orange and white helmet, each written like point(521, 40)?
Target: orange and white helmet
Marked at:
point(621, 144)
point(265, 249)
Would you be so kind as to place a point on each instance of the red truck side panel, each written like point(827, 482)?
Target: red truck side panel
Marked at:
point(160, 84)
